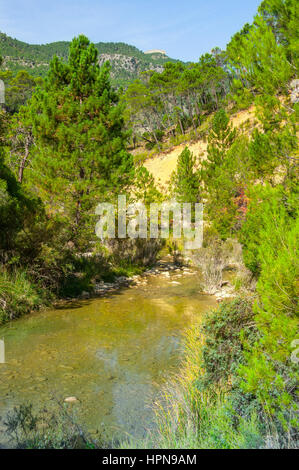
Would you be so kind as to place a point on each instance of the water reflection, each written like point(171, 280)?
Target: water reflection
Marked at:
point(113, 354)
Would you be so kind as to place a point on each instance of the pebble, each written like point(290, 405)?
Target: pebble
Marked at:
point(71, 400)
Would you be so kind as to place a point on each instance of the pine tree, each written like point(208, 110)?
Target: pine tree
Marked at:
point(141, 112)
point(218, 173)
point(81, 155)
point(220, 140)
point(18, 88)
point(185, 181)
point(270, 237)
point(283, 16)
point(259, 60)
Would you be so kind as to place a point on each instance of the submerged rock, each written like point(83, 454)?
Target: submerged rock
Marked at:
point(122, 279)
point(71, 400)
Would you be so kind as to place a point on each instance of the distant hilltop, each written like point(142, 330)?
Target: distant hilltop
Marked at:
point(126, 61)
point(156, 51)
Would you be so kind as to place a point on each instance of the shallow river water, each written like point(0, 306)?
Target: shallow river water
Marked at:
point(112, 353)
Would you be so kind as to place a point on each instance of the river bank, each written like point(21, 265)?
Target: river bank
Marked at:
point(20, 294)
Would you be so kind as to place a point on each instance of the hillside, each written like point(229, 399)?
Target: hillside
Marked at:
point(126, 61)
point(163, 164)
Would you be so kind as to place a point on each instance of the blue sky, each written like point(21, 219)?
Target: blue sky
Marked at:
point(185, 29)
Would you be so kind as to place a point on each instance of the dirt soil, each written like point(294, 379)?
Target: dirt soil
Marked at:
point(162, 165)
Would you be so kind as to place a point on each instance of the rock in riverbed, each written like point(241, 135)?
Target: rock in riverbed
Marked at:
point(71, 400)
point(85, 295)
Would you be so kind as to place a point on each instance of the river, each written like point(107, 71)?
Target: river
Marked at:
point(113, 353)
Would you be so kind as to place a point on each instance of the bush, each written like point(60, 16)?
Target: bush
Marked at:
point(224, 331)
point(19, 295)
point(269, 207)
point(269, 372)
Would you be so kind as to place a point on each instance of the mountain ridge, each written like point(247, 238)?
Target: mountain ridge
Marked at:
point(126, 61)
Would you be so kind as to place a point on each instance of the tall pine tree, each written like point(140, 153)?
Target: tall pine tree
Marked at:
point(221, 138)
point(81, 155)
point(185, 180)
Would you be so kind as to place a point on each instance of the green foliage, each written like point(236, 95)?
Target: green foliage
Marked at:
point(155, 141)
point(223, 330)
point(220, 172)
point(18, 88)
point(203, 423)
point(236, 42)
point(77, 274)
point(262, 61)
point(19, 295)
point(283, 16)
point(140, 112)
point(220, 139)
point(262, 153)
point(185, 180)
point(80, 154)
point(20, 143)
point(16, 206)
point(241, 95)
point(272, 247)
point(203, 407)
point(145, 189)
point(36, 58)
point(68, 145)
point(176, 98)
point(267, 205)
point(195, 411)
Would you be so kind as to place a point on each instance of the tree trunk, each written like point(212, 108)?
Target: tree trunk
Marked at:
point(24, 160)
point(156, 140)
point(181, 126)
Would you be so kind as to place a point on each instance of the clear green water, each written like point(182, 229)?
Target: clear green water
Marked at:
point(112, 353)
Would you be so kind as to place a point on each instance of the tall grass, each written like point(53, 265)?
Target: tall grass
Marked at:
point(18, 295)
point(191, 416)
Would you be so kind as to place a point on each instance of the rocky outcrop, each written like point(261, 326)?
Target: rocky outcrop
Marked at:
point(132, 65)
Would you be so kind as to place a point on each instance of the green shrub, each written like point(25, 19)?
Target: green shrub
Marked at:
point(269, 373)
point(185, 179)
point(224, 329)
point(19, 295)
point(269, 207)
